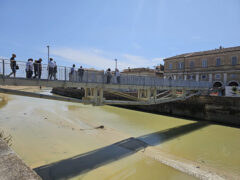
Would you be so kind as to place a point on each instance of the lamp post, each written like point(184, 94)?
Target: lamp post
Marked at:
point(116, 64)
point(48, 51)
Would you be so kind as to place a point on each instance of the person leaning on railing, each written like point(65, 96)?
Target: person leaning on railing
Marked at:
point(13, 65)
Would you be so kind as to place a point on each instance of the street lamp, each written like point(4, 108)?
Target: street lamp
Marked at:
point(116, 64)
point(48, 51)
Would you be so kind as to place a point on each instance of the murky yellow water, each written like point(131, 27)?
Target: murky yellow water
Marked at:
point(46, 131)
point(135, 167)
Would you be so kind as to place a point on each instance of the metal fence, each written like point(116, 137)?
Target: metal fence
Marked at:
point(90, 76)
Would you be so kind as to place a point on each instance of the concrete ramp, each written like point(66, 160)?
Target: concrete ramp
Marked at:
point(79, 164)
point(83, 163)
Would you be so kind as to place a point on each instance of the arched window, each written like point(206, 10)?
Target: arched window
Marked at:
point(217, 84)
point(233, 83)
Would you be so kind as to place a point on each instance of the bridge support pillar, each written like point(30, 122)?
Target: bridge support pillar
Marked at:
point(142, 94)
point(154, 93)
point(94, 95)
point(146, 94)
point(174, 92)
point(184, 92)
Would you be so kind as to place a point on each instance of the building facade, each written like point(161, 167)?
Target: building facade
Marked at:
point(221, 66)
point(158, 71)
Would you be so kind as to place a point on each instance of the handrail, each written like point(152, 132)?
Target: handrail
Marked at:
point(92, 76)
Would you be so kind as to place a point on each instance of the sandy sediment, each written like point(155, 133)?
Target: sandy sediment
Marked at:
point(189, 167)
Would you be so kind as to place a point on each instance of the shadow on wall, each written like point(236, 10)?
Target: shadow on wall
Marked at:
point(85, 162)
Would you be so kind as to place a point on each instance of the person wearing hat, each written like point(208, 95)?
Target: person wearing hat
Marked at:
point(13, 65)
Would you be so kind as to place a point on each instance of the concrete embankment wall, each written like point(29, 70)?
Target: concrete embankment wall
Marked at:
point(12, 167)
point(224, 110)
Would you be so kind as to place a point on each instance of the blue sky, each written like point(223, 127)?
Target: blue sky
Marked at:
point(93, 33)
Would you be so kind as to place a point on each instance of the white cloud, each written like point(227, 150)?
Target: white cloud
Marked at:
point(158, 60)
point(2, 57)
point(102, 60)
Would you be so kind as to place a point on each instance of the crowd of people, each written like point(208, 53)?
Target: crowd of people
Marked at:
point(34, 70)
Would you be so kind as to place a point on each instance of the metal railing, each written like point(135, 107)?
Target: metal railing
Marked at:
point(89, 76)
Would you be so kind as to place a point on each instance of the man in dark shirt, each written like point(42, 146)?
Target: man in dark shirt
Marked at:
point(80, 73)
point(39, 68)
point(13, 65)
point(35, 67)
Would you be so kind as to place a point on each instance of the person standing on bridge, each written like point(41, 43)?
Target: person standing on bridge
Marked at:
point(13, 65)
point(80, 73)
point(117, 73)
point(109, 75)
point(51, 65)
point(35, 65)
point(71, 74)
point(55, 71)
point(39, 68)
point(29, 68)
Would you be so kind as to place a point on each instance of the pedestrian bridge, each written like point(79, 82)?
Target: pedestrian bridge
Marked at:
point(149, 90)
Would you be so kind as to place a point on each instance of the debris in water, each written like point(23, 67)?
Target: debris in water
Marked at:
point(100, 127)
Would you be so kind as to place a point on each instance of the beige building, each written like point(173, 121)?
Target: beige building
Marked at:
point(158, 71)
point(220, 66)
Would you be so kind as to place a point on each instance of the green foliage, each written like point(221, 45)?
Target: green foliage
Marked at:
point(234, 88)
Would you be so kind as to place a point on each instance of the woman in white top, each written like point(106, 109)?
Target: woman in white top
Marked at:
point(117, 72)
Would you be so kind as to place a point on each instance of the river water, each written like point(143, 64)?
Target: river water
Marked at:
point(47, 131)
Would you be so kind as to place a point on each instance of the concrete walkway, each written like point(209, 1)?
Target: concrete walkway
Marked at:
point(12, 167)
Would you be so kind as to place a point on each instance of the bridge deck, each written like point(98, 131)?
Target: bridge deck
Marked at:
point(95, 82)
point(165, 85)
